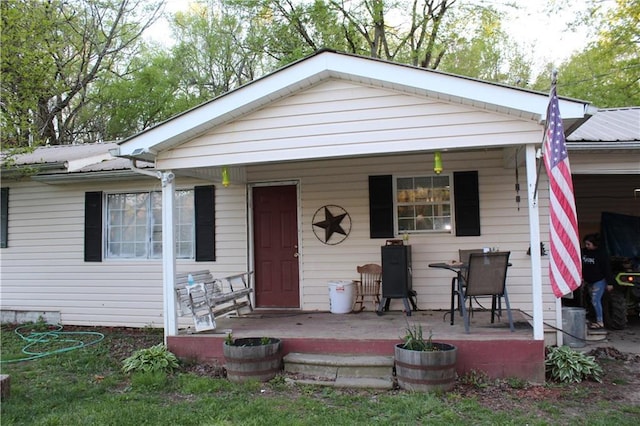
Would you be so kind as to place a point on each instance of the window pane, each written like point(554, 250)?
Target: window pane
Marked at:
point(127, 224)
point(422, 190)
point(185, 228)
point(156, 225)
point(405, 225)
point(423, 203)
point(405, 190)
point(134, 225)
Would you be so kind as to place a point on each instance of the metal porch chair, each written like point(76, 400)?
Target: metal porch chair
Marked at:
point(463, 255)
point(486, 276)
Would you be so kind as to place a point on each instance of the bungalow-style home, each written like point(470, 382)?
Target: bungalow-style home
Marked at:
point(298, 176)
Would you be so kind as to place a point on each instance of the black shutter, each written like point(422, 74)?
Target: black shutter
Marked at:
point(4, 218)
point(205, 223)
point(93, 226)
point(467, 203)
point(381, 206)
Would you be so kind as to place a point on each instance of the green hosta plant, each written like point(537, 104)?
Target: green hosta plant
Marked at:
point(563, 364)
point(150, 360)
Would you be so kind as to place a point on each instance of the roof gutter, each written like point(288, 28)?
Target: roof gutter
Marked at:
point(598, 146)
point(165, 177)
point(134, 168)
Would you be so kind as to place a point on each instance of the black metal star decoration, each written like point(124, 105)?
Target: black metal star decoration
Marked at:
point(333, 223)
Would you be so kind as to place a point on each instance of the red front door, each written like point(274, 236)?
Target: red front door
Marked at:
point(275, 242)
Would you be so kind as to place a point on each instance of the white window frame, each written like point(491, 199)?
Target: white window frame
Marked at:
point(151, 236)
point(447, 221)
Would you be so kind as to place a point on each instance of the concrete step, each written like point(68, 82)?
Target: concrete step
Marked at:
point(356, 371)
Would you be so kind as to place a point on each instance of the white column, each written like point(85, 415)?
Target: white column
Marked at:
point(168, 254)
point(534, 235)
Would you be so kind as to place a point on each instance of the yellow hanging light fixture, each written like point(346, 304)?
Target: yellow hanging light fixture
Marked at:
point(437, 162)
point(225, 176)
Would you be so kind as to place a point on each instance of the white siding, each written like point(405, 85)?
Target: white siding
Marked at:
point(605, 162)
point(360, 131)
point(345, 183)
point(43, 268)
point(338, 119)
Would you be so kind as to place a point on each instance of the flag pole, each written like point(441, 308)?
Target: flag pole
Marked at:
point(554, 80)
point(565, 263)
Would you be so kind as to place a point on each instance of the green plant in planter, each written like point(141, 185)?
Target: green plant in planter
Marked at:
point(252, 358)
point(563, 364)
point(229, 339)
point(414, 340)
point(249, 341)
point(151, 360)
point(424, 365)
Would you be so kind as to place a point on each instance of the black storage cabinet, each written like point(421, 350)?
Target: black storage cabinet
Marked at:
point(396, 271)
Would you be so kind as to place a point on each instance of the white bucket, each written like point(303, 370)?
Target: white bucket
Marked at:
point(341, 296)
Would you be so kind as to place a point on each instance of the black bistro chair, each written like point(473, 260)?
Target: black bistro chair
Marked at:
point(486, 276)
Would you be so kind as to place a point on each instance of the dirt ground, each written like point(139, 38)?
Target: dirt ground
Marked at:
point(619, 356)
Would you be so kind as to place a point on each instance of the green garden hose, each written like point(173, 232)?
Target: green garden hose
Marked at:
point(66, 339)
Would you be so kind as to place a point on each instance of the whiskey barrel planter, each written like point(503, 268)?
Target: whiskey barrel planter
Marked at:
point(252, 358)
point(426, 371)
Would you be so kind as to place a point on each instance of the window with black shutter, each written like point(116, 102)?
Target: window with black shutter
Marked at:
point(93, 227)
point(4, 217)
point(424, 213)
point(467, 203)
point(205, 223)
point(134, 225)
point(381, 206)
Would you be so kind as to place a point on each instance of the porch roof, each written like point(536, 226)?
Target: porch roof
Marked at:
point(609, 129)
point(325, 65)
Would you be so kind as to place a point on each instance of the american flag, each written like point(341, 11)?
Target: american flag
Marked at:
point(565, 265)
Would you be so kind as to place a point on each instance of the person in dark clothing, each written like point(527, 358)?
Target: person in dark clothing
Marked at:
point(596, 274)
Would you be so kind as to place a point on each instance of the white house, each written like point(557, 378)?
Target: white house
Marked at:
point(334, 134)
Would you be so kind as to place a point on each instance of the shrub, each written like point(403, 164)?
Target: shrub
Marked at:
point(563, 364)
point(150, 360)
point(475, 378)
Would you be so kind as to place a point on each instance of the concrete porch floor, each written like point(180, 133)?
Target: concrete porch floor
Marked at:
point(367, 325)
point(491, 348)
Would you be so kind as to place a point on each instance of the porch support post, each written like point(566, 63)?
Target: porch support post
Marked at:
point(168, 255)
point(534, 235)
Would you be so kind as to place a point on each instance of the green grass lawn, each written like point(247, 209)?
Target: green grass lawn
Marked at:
point(86, 386)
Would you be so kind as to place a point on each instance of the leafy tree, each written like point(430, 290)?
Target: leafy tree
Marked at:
point(607, 73)
point(222, 44)
point(486, 53)
point(52, 54)
point(151, 91)
point(214, 49)
point(26, 73)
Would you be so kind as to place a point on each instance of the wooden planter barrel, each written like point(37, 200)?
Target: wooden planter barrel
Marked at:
point(426, 371)
point(250, 359)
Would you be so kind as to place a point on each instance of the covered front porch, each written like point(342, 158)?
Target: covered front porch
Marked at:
point(490, 348)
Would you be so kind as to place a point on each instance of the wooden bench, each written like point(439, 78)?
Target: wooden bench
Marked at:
point(208, 297)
